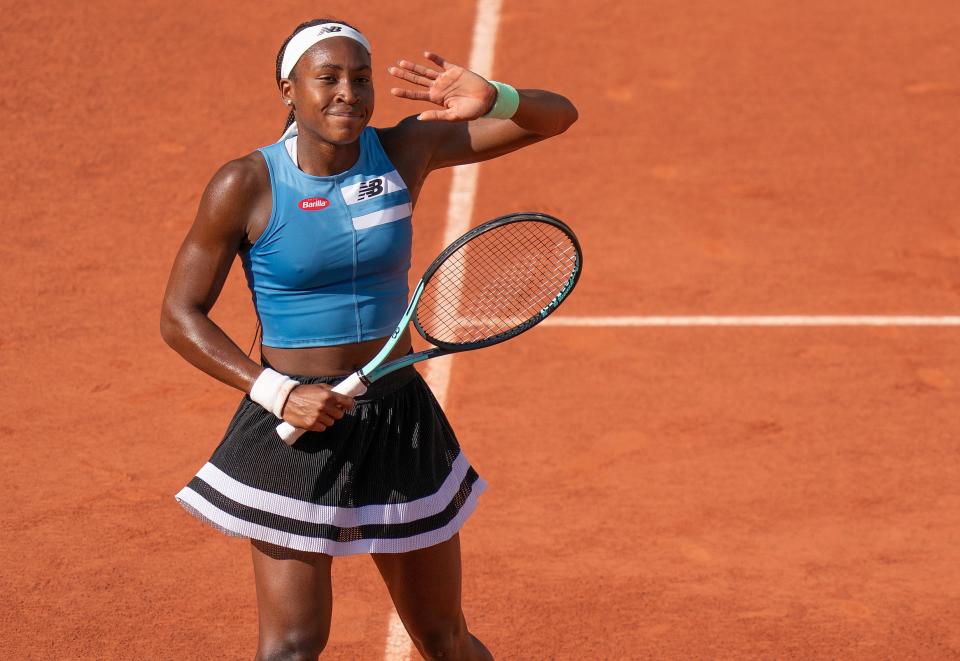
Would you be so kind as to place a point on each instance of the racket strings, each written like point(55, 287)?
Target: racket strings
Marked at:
point(497, 282)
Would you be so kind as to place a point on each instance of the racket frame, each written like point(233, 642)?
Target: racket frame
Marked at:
point(373, 370)
point(523, 327)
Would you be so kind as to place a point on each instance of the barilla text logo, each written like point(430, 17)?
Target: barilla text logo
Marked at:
point(314, 203)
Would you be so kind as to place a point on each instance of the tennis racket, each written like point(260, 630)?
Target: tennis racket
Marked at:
point(496, 281)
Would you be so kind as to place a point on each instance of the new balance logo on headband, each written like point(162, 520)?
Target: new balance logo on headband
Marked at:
point(370, 189)
point(329, 28)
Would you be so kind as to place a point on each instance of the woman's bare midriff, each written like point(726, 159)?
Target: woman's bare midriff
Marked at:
point(331, 361)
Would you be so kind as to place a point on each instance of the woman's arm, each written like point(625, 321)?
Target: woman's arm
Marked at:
point(201, 268)
point(457, 133)
point(198, 274)
point(540, 115)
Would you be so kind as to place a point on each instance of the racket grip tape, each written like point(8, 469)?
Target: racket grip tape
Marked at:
point(353, 386)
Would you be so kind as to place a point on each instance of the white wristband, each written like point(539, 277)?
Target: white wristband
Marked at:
point(271, 390)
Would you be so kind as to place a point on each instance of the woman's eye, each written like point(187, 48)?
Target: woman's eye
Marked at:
point(363, 81)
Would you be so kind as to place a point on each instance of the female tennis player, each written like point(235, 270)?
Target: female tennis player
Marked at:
point(321, 220)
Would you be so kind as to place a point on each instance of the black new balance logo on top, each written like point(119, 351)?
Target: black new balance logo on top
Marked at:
point(370, 188)
point(329, 28)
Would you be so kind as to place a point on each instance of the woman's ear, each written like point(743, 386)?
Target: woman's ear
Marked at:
point(286, 92)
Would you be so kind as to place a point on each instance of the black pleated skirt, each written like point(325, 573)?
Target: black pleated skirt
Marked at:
point(388, 478)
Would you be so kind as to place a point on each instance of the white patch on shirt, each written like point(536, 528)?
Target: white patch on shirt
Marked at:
point(373, 187)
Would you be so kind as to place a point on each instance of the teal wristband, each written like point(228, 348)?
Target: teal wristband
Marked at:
point(508, 100)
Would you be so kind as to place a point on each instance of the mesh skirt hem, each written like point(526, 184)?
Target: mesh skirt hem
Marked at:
point(233, 526)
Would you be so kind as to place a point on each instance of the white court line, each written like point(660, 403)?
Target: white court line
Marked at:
point(463, 191)
point(754, 320)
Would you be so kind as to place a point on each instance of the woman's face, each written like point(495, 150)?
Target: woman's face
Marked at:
point(331, 88)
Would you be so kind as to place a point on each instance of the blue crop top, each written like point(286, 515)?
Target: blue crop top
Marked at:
point(331, 266)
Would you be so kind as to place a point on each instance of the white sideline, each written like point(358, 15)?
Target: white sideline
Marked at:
point(755, 320)
point(459, 213)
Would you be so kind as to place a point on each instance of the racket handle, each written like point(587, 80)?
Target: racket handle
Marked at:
point(352, 386)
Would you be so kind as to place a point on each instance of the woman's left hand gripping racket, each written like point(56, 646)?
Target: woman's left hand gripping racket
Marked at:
point(493, 283)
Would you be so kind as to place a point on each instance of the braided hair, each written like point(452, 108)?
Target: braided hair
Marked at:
point(317, 21)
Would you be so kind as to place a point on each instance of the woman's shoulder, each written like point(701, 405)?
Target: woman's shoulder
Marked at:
point(244, 176)
point(410, 134)
point(238, 197)
point(409, 145)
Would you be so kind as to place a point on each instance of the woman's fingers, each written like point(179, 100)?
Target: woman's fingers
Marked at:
point(414, 69)
point(324, 419)
point(342, 403)
point(462, 93)
point(410, 77)
point(317, 426)
point(438, 115)
point(436, 59)
point(321, 419)
point(331, 411)
point(416, 95)
point(421, 69)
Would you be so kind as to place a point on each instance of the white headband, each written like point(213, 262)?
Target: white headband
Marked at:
point(307, 37)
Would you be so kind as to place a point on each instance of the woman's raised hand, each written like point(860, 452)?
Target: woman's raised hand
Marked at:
point(462, 94)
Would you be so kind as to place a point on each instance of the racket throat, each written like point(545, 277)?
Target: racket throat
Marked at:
point(363, 377)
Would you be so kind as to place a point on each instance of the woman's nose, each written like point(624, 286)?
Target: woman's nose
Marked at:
point(347, 94)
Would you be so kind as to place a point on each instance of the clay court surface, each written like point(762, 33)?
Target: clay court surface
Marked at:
point(667, 493)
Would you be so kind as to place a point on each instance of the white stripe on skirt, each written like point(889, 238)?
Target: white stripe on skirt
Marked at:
point(238, 527)
point(343, 517)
